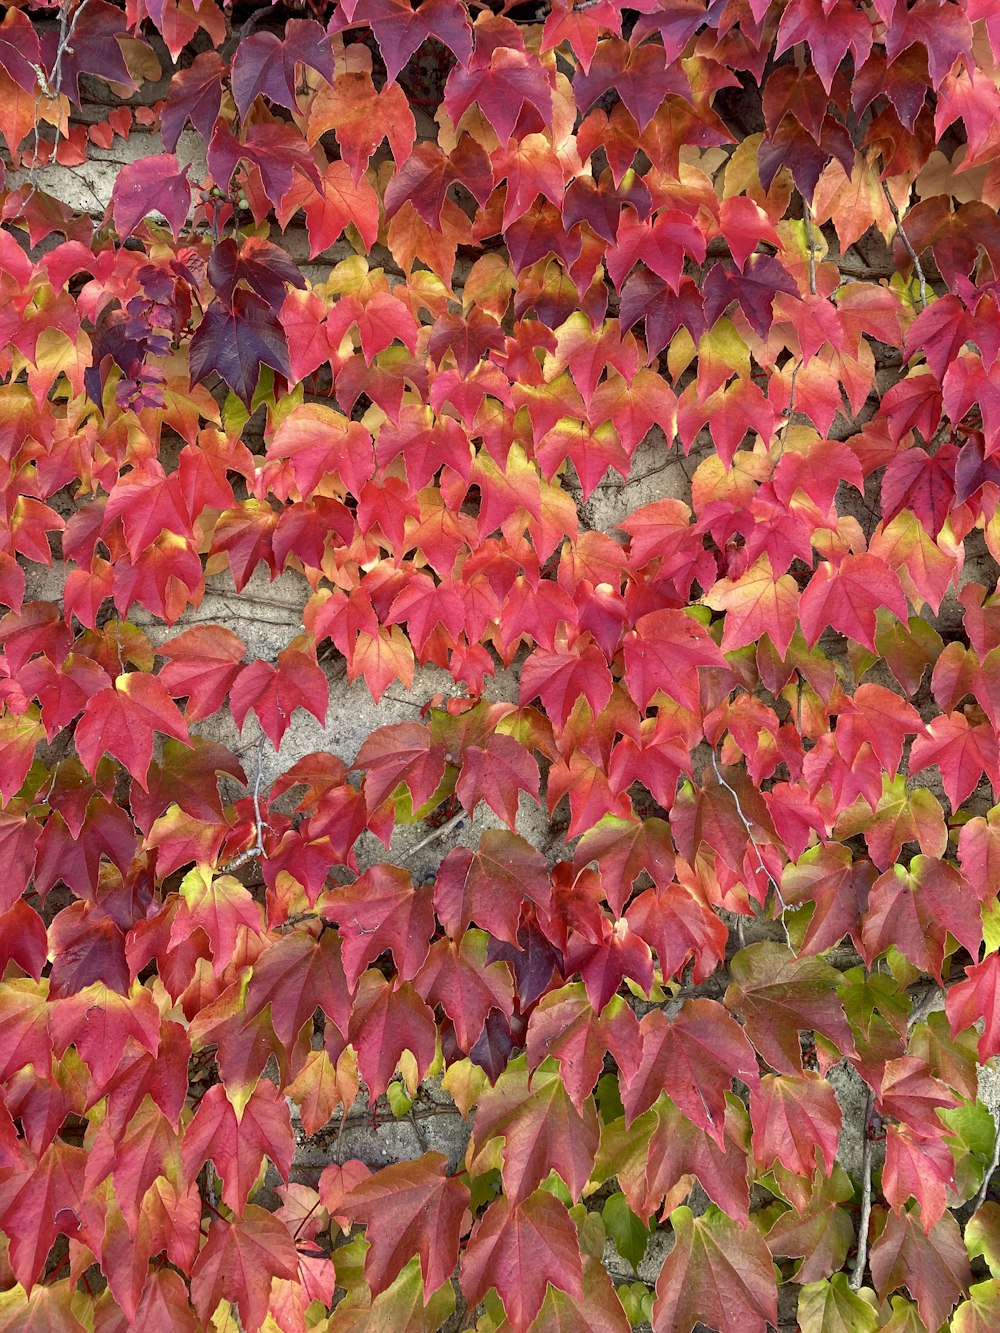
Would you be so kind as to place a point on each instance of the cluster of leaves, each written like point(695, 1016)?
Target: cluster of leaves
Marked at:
point(757, 234)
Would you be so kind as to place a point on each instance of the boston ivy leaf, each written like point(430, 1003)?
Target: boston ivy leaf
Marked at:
point(541, 1128)
point(718, 1273)
point(410, 1208)
point(779, 996)
point(156, 184)
point(239, 1262)
point(235, 341)
point(520, 1248)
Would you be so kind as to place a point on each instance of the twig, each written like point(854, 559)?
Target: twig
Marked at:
point(753, 843)
point(807, 217)
point(437, 833)
point(861, 1263)
point(980, 1198)
point(258, 848)
point(914, 257)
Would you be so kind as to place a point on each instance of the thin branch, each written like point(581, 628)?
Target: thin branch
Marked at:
point(258, 848)
point(807, 218)
point(914, 257)
point(861, 1263)
point(753, 843)
point(980, 1198)
point(437, 833)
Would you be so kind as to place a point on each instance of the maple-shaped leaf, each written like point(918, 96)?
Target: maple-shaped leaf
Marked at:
point(146, 1150)
point(962, 752)
point(151, 185)
point(846, 598)
point(756, 603)
point(920, 1167)
point(541, 1128)
point(48, 1309)
point(778, 996)
point(238, 1144)
point(496, 773)
point(95, 49)
point(238, 1263)
point(490, 885)
point(656, 1158)
point(387, 1020)
point(520, 1249)
point(504, 89)
point(832, 1306)
point(235, 340)
point(560, 679)
point(663, 653)
point(221, 906)
point(410, 1208)
point(121, 719)
point(717, 1272)
point(565, 1026)
point(401, 753)
point(821, 1234)
point(202, 664)
point(932, 1266)
point(275, 692)
point(382, 910)
point(99, 1022)
point(195, 94)
point(18, 738)
point(837, 886)
point(400, 30)
point(458, 978)
point(296, 975)
point(694, 1058)
point(915, 908)
point(796, 1121)
point(42, 1207)
point(975, 998)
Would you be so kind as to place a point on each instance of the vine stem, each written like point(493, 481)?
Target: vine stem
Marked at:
point(258, 847)
point(753, 843)
point(914, 257)
point(861, 1263)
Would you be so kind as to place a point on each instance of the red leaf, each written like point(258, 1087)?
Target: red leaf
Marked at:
point(386, 1021)
point(663, 653)
point(382, 910)
point(716, 1272)
point(235, 342)
point(121, 720)
point(202, 664)
point(295, 975)
point(152, 184)
point(796, 1121)
point(542, 1130)
point(846, 598)
point(694, 1059)
point(238, 1144)
point(932, 1266)
point(975, 998)
point(489, 886)
point(275, 692)
point(409, 1208)
point(778, 996)
point(519, 1249)
point(564, 1025)
point(238, 1263)
point(914, 909)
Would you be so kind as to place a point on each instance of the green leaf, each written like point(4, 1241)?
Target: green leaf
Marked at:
point(629, 1233)
point(832, 1307)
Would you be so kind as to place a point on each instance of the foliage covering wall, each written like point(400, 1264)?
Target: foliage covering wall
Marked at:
point(547, 250)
